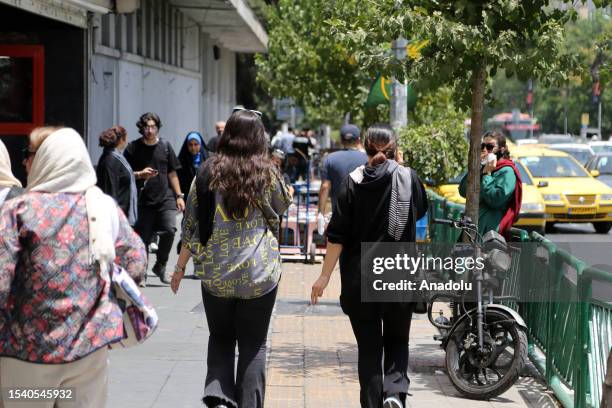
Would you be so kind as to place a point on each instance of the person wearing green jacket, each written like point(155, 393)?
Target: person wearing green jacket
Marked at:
point(500, 186)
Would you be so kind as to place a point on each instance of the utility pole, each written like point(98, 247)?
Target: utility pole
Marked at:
point(566, 97)
point(530, 87)
point(599, 120)
point(399, 90)
point(597, 89)
point(292, 119)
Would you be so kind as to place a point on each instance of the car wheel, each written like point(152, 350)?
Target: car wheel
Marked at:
point(550, 227)
point(602, 227)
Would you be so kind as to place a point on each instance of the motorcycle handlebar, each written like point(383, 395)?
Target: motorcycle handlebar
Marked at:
point(443, 221)
point(461, 224)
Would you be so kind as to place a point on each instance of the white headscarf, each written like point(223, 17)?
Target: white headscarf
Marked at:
point(62, 165)
point(6, 176)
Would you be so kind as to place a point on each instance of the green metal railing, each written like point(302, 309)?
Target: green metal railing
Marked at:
point(570, 333)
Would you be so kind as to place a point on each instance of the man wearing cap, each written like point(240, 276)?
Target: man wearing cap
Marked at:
point(340, 164)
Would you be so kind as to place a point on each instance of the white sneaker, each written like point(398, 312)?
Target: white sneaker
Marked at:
point(392, 402)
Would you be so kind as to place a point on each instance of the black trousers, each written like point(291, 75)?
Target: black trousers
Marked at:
point(386, 336)
point(300, 170)
point(162, 221)
point(242, 321)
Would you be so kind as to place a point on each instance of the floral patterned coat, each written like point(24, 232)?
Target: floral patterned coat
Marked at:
point(54, 306)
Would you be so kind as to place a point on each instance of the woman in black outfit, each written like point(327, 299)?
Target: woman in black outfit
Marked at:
point(191, 156)
point(115, 176)
point(367, 213)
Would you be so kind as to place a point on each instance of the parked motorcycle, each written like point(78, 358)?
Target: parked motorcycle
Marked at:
point(485, 342)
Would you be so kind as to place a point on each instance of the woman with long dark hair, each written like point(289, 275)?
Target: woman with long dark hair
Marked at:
point(378, 202)
point(230, 229)
point(501, 188)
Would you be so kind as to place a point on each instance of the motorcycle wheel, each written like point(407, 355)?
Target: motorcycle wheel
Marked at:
point(493, 375)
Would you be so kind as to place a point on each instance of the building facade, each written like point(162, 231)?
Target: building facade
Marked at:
point(91, 64)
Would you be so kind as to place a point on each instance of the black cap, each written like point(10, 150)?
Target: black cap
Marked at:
point(349, 132)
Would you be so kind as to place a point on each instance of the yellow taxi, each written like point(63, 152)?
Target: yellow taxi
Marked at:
point(570, 193)
point(532, 215)
point(450, 190)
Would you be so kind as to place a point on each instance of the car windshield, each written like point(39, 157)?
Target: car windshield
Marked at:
point(524, 176)
point(553, 166)
point(602, 148)
point(456, 180)
point(604, 165)
point(582, 156)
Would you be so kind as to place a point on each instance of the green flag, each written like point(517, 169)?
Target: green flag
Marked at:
point(380, 93)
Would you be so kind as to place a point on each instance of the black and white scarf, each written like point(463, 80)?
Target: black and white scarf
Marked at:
point(401, 196)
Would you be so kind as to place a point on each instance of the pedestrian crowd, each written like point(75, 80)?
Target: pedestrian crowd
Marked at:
point(59, 307)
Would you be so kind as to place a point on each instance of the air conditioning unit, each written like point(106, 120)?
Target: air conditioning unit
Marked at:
point(127, 6)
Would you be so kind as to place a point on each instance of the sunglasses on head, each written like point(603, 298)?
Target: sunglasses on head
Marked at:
point(489, 146)
point(258, 113)
point(27, 153)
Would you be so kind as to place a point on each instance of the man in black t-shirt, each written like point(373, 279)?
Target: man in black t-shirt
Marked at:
point(159, 193)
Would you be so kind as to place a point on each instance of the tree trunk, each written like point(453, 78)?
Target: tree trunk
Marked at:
point(479, 77)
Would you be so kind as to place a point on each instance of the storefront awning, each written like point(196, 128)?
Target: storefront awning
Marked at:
point(231, 22)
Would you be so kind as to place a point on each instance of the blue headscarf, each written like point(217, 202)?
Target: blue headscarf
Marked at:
point(197, 158)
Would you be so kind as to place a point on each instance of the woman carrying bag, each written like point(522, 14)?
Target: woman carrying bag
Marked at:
point(378, 202)
point(57, 314)
point(230, 228)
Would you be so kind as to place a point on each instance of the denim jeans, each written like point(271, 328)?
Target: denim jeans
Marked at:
point(244, 322)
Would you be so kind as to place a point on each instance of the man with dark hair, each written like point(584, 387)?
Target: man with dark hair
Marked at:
point(155, 164)
point(340, 164)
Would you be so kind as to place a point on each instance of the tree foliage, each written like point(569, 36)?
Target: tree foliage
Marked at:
point(325, 53)
point(469, 41)
point(585, 38)
point(434, 144)
point(524, 38)
point(307, 63)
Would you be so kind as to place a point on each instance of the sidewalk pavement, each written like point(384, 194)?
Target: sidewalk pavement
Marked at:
point(168, 370)
point(312, 355)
